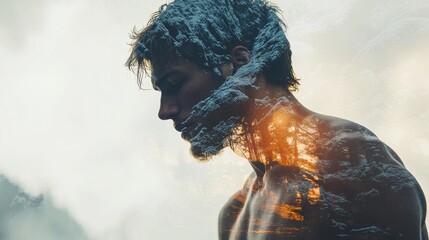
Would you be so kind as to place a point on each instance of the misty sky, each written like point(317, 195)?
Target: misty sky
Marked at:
point(75, 126)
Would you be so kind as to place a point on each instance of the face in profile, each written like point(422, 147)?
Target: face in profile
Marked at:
point(183, 84)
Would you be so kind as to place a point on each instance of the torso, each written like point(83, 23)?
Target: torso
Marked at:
point(347, 195)
point(263, 211)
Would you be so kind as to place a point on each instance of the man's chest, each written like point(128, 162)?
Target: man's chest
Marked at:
point(266, 213)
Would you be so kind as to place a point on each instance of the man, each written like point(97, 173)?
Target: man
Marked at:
point(224, 71)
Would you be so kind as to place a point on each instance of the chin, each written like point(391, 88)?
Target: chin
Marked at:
point(205, 153)
point(205, 148)
point(209, 135)
point(207, 142)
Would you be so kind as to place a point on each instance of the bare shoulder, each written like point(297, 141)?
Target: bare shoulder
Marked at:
point(344, 139)
point(339, 129)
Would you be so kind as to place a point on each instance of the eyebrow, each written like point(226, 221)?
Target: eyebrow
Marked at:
point(157, 82)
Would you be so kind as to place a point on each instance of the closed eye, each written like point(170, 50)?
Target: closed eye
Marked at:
point(172, 85)
point(170, 82)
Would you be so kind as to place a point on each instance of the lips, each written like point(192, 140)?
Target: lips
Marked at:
point(185, 129)
point(181, 125)
point(178, 126)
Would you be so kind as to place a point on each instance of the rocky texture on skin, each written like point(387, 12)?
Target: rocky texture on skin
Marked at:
point(188, 24)
point(330, 178)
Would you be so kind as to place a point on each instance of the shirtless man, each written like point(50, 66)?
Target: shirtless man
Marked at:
point(224, 71)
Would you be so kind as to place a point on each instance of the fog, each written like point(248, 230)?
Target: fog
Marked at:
point(76, 128)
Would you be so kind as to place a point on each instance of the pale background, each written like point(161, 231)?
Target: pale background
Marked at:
point(74, 125)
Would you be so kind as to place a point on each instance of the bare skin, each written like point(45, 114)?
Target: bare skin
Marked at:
point(315, 176)
point(288, 200)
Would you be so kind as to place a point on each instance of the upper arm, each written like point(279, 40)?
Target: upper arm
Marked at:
point(394, 202)
point(376, 188)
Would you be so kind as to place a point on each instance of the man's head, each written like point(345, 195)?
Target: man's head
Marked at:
point(206, 34)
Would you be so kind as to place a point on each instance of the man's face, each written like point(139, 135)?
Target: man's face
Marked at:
point(182, 84)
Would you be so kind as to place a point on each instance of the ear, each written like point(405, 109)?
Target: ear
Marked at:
point(240, 56)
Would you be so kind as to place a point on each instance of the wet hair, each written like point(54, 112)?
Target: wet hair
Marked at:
point(205, 32)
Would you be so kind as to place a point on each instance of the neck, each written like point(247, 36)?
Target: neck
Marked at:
point(272, 130)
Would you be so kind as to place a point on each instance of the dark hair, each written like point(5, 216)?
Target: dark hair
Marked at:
point(205, 32)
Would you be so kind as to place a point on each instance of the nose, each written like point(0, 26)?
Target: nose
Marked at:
point(168, 108)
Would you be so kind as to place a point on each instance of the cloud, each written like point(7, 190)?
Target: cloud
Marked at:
point(19, 20)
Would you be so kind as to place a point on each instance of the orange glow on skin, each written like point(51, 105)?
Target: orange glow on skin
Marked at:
point(279, 118)
point(291, 144)
point(287, 211)
point(288, 141)
point(314, 195)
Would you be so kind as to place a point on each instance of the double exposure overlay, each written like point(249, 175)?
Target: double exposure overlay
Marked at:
point(318, 176)
point(224, 71)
